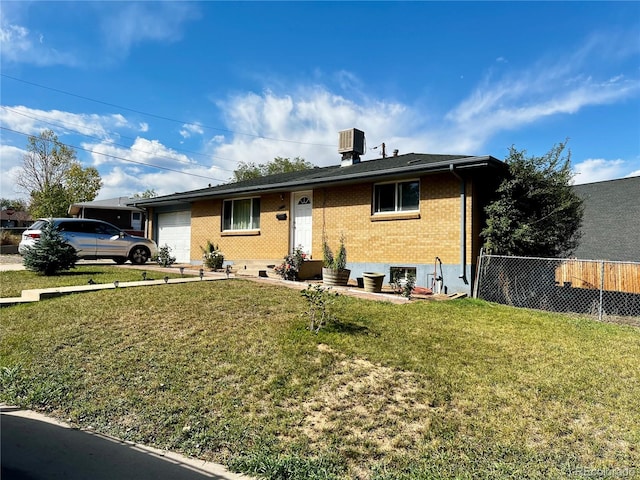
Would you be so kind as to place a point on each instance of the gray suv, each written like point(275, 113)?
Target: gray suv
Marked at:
point(94, 239)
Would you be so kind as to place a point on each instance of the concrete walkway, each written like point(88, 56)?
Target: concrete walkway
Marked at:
point(14, 263)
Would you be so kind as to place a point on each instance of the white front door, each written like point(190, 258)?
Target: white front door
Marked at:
point(302, 220)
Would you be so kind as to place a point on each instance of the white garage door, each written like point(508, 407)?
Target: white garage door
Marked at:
point(174, 229)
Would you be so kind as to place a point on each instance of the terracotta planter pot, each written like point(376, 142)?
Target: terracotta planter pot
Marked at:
point(373, 281)
point(332, 278)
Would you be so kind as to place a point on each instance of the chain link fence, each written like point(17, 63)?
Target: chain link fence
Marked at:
point(593, 287)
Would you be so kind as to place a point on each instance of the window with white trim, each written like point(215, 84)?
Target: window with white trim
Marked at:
point(241, 214)
point(396, 197)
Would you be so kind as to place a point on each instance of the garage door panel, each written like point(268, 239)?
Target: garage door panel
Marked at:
point(174, 230)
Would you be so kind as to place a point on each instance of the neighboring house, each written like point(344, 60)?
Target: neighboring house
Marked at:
point(611, 221)
point(17, 219)
point(409, 212)
point(116, 211)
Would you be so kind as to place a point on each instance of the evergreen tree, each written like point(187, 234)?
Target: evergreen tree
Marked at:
point(536, 212)
point(51, 253)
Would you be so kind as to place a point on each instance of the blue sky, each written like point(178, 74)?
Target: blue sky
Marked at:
point(170, 96)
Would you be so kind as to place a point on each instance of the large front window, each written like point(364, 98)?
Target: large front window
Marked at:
point(396, 197)
point(242, 214)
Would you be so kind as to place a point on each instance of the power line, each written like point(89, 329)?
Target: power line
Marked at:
point(40, 119)
point(120, 158)
point(161, 117)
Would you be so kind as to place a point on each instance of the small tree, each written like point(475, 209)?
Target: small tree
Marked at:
point(51, 254)
point(536, 212)
point(337, 261)
point(320, 300)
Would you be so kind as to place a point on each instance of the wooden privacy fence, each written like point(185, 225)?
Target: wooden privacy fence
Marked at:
point(598, 274)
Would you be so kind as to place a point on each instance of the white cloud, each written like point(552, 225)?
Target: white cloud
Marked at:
point(546, 89)
point(20, 45)
point(142, 152)
point(31, 121)
point(12, 158)
point(123, 180)
point(189, 129)
point(598, 169)
point(309, 120)
point(127, 25)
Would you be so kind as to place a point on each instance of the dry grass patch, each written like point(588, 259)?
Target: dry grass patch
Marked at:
point(371, 408)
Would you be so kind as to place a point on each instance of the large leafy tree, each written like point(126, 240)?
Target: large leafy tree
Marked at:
point(53, 178)
point(536, 212)
point(249, 170)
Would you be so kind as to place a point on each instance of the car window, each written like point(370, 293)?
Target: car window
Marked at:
point(38, 224)
point(104, 229)
point(71, 227)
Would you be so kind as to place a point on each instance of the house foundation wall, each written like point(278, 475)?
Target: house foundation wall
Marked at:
point(451, 282)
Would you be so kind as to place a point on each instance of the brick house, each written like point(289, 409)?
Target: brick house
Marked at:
point(418, 213)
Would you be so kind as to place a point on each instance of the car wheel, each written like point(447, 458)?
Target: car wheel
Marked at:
point(139, 255)
point(120, 260)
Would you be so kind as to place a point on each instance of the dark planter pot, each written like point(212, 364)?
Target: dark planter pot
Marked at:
point(373, 281)
point(335, 278)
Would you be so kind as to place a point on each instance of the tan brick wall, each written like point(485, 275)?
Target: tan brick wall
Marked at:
point(347, 210)
point(415, 240)
point(272, 242)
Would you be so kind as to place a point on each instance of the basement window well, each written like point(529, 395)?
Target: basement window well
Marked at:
point(400, 274)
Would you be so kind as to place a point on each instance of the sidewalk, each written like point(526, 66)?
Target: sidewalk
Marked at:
point(35, 447)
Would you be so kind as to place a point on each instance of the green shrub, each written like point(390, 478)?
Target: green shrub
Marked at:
point(164, 258)
point(51, 254)
point(9, 238)
point(290, 267)
point(212, 257)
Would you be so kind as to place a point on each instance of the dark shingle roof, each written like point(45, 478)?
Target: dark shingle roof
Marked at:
point(390, 167)
point(611, 222)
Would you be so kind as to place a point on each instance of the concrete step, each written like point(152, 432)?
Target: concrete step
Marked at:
point(255, 268)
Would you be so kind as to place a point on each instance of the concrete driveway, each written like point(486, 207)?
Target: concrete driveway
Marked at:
point(35, 447)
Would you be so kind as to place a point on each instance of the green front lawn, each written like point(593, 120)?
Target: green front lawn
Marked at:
point(226, 371)
point(13, 282)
